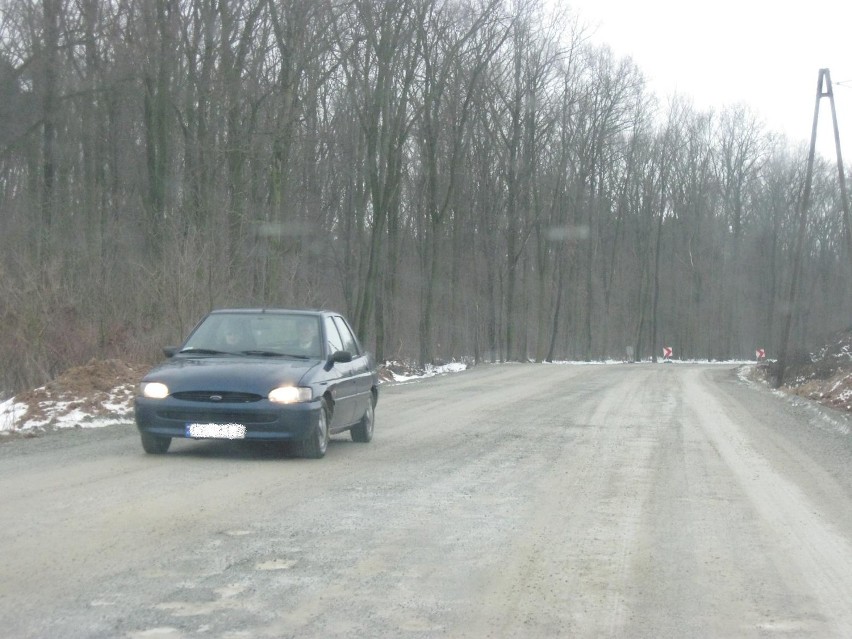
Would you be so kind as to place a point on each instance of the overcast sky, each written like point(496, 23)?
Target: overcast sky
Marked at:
point(764, 54)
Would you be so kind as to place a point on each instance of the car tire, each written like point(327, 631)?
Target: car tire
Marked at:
point(154, 444)
point(363, 431)
point(315, 446)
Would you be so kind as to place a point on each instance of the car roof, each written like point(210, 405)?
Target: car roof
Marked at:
point(289, 311)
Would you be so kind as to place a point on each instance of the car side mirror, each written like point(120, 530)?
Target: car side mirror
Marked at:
point(169, 351)
point(341, 357)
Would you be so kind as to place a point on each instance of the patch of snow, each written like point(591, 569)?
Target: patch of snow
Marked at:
point(745, 373)
point(430, 371)
point(10, 412)
point(116, 408)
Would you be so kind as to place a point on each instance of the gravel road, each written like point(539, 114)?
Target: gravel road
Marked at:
point(504, 501)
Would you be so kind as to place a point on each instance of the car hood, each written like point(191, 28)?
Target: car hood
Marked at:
point(245, 374)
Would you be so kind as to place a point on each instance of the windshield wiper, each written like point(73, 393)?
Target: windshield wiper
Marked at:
point(273, 354)
point(262, 353)
point(204, 351)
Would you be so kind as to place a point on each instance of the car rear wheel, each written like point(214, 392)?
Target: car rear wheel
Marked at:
point(316, 444)
point(155, 445)
point(363, 430)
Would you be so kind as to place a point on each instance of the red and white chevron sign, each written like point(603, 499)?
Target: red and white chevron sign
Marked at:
point(760, 353)
point(667, 351)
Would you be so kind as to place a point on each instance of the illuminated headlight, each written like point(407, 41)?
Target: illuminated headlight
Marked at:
point(154, 390)
point(290, 395)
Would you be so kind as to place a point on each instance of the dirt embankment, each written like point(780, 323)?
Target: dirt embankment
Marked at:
point(95, 389)
point(824, 376)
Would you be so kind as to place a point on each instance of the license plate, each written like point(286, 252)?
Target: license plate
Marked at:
point(216, 431)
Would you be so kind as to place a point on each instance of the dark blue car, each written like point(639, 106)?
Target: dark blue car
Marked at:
point(261, 375)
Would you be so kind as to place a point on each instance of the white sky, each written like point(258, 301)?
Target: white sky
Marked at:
point(763, 54)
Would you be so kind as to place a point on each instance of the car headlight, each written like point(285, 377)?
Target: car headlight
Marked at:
point(154, 390)
point(290, 395)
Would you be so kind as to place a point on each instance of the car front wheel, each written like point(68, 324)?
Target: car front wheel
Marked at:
point(155, 445)
point(316, 444)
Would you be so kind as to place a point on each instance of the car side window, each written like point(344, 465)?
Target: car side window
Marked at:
point(332, 336)
point(349, 342)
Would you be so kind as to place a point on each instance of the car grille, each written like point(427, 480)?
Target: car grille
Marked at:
point(219, 417)
point(223, 397)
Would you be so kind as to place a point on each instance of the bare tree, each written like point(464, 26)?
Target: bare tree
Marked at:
point(742, 151)
point(380, 67)
point(455, 56)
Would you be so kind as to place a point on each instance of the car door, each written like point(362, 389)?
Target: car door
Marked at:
point(344, 388)
point(362, 377)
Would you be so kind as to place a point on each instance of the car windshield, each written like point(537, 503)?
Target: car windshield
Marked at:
point(257, 334)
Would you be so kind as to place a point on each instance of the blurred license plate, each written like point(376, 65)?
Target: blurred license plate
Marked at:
point(216, 431)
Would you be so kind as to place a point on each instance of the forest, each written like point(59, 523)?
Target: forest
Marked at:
point(464, 179)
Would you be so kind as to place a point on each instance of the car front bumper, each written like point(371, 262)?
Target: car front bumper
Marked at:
point(263, 420)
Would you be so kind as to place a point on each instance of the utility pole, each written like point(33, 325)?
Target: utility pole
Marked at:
point(841, 171)
point(824, 90)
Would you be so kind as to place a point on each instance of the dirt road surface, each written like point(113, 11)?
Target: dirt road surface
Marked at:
point(505, 501)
